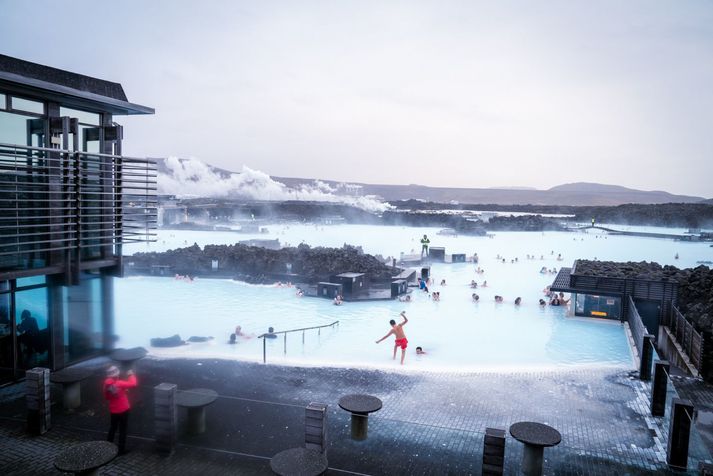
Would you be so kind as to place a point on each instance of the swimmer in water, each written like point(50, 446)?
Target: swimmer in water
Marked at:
point(542, 302)
point(518, 300)
point(475, 297)
point(239, 333)
point(420, 351)
point(397, 330)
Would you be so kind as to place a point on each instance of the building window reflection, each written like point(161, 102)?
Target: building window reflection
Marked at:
point(82, 306)
point(31, 324)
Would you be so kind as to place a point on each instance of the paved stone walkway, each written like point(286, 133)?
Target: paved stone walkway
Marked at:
point(431, 423)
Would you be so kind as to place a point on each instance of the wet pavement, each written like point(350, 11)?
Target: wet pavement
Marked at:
point(430, 423)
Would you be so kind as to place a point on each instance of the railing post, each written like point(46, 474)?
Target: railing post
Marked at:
point(264, 350)
point(493, 452)
point(679, 433)
point(165, 417)
point(285, 343)
point(316, 427)
point(659, 387)
point(647, 349)
point(37, 398)
point(303, 337)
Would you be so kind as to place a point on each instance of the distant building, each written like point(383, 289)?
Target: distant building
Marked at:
point(68, 202)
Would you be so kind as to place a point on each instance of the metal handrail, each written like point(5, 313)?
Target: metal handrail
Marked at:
point(687, 337)
point(66, 151)
point(303, 329)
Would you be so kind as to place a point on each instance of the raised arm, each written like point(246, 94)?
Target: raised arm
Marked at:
point(128, 383)
point(403, 314)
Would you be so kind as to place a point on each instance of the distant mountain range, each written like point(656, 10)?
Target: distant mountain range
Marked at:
point(576, 194)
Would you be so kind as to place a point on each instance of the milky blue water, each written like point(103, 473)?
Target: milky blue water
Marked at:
point(456, 333)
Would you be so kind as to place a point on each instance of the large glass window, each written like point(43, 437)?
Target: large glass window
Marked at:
point(85, 117)
point(3, 98)
point(17, 129)
point(598, 306)
point(31, 321)
point(82, 318)
point(27, 105)
point(88, 128)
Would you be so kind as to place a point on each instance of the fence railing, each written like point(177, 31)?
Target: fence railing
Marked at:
point(56, 200)
point(273, 335)
point(636, 325)
point(688, 338)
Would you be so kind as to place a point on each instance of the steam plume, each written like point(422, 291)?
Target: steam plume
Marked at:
point(191, 177)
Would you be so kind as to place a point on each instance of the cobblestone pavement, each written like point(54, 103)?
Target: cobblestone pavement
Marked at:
point(431, 423)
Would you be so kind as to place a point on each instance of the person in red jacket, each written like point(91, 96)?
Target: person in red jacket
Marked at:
point(119, 407)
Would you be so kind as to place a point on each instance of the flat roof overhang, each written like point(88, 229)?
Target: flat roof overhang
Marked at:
point(70, 97)
point(561, 284)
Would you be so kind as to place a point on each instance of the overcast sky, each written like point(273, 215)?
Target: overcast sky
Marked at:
point(467, 94)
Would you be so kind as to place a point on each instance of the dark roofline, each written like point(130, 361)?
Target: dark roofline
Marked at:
point(66, 87)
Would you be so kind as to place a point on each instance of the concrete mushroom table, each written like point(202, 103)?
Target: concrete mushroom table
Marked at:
point(360, 406)
point(299, 462)
point(71, 379)
point(195, 401)
point(535, 436)
point(127, 357)
point(86, 458)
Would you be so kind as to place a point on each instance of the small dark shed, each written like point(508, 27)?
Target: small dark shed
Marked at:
point(329, 290)
point(352, 283)
point(398, 287)
point(437, 254)
point(458, 258)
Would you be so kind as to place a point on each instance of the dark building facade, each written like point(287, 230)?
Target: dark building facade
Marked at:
point(69, 201)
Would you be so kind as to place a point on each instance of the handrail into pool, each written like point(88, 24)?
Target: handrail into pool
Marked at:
point(303, 329)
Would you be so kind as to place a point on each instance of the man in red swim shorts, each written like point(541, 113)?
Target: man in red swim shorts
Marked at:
point(398, 332)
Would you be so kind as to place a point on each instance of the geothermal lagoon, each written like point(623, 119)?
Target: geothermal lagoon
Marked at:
point(456, 333)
